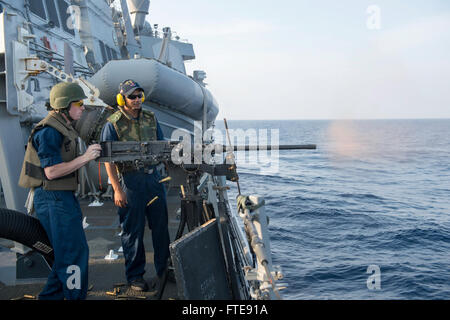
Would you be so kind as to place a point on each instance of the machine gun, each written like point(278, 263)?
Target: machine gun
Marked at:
point(244, 258)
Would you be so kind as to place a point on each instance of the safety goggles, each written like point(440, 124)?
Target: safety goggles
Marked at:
point(78, 103)
point(134, 96)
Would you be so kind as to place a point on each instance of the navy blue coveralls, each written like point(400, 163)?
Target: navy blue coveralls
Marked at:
point(60, 214)
point(141, 187)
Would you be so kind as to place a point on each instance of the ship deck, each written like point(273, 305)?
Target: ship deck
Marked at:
point(104, 275)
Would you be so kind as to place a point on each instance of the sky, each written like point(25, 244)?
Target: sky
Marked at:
point(318, 59)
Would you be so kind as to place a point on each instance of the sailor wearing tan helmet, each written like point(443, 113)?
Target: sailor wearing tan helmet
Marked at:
point(50, 169)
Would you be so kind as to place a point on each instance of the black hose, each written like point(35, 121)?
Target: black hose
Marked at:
point(27, 230)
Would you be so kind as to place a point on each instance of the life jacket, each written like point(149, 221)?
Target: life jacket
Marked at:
point(128, 129)
point(33, 175)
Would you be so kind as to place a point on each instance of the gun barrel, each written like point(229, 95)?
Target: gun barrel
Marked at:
point(271, 147)
point(157, 151)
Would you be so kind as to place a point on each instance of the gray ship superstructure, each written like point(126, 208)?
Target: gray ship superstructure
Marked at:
point(98, 44)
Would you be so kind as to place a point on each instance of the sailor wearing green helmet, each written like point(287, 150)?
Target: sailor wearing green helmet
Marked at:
point(50, 169)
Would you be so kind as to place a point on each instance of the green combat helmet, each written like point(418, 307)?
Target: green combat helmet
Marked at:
point(63, 93)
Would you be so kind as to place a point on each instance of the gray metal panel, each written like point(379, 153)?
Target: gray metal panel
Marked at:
point(12, 148)
point(8, 29)
point(199, 265)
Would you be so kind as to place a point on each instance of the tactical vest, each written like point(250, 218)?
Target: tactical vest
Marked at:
point(32, 175)
point(128, 129)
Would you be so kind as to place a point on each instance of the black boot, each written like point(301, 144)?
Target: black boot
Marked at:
point(139, 285)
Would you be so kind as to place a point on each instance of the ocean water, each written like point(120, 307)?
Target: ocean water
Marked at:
point(374, 193)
